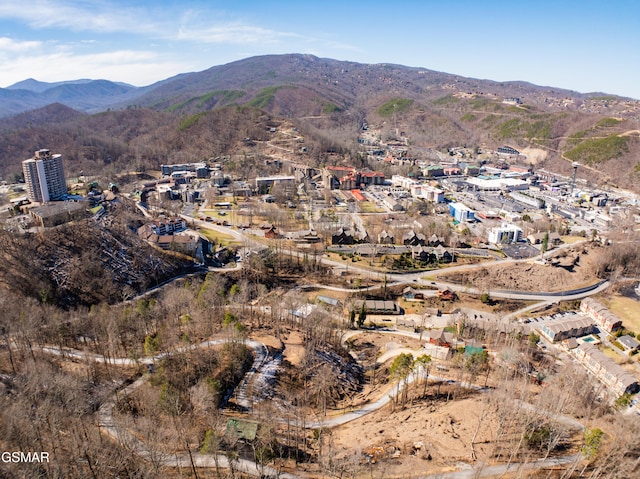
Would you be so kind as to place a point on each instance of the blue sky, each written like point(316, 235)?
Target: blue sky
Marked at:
point(579, 45)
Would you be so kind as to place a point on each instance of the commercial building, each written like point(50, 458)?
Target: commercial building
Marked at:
point(200, 169)
point(348, 178)
point(461, 212)
point(506, 233)
point(264, 183)
point(528, 199)
point(428, 193)
point(44, 177)
point(497, 184)
point(54, 214)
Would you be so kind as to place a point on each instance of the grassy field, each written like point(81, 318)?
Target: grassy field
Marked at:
point(611, 354)
point(572, 239)
point(368, 207)
point(219, 238)
point(628, 310)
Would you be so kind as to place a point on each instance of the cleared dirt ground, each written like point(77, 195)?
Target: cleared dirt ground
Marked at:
point(573, 268)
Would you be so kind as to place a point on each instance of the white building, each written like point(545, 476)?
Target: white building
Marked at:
point(44, 177)
point(428, 193)
point(506, 233)
point(497, 184)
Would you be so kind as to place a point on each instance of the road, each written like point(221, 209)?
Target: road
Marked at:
point(265, 366)
point(261, 371)
point(502, 469)
point(417, 278)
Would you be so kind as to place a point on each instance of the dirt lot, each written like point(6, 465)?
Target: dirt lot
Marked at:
point(430, 437)
point(573, 268)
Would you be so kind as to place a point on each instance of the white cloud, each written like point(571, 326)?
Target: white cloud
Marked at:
point(235, 33)
point(79, 16)
point(9, 45)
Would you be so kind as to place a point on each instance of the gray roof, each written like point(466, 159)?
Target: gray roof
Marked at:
point(628, 342)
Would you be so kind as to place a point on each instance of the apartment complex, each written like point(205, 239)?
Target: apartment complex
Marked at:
point(605, 318)
point(506, 233)
point(44, 177)
point(612, 375)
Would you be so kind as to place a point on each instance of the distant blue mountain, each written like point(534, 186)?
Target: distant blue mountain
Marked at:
point(84, 95)
point(40, 86)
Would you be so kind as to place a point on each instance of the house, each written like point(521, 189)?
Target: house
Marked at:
point(374, 306)
point(385, 238)
point(444, 255)
point(423, 253)
point(431, 312)
point(412, 238)
point(537, 238)
point(309, 237)
point(573, 327)
point(447, 295)
point(442, 338)
point(410, 294)
point(629, 343)
point(343, 236)
point(435, 240)
point(271, 233)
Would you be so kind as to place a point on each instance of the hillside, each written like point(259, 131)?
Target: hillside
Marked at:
point(205, 114)
point(84, 263)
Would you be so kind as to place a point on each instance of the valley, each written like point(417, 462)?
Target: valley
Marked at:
point(329, 269)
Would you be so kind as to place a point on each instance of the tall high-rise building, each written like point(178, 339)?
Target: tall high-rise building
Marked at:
point(44, 177)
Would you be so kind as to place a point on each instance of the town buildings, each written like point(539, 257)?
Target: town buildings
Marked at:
point(505, 234)
point(200, 169)
point(44, 177)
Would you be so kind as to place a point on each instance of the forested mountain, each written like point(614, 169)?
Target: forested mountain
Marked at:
point(329, 100)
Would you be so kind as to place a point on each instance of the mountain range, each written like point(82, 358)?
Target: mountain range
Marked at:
point(331, 99)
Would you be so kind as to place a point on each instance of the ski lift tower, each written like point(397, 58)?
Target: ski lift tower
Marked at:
point(575, 171)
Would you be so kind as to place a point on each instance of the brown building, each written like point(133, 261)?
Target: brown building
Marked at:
point(60, 212)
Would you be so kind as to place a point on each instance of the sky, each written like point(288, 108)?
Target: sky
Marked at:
point(585, 45)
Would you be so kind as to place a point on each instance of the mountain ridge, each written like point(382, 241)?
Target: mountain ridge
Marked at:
point(257, 73)
point(330, 100)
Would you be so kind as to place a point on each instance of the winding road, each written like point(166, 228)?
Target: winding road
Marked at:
point(262, 371)
point(265, 366)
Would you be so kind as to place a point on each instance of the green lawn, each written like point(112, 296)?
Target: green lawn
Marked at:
point(627, 309)
point(218, 238)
